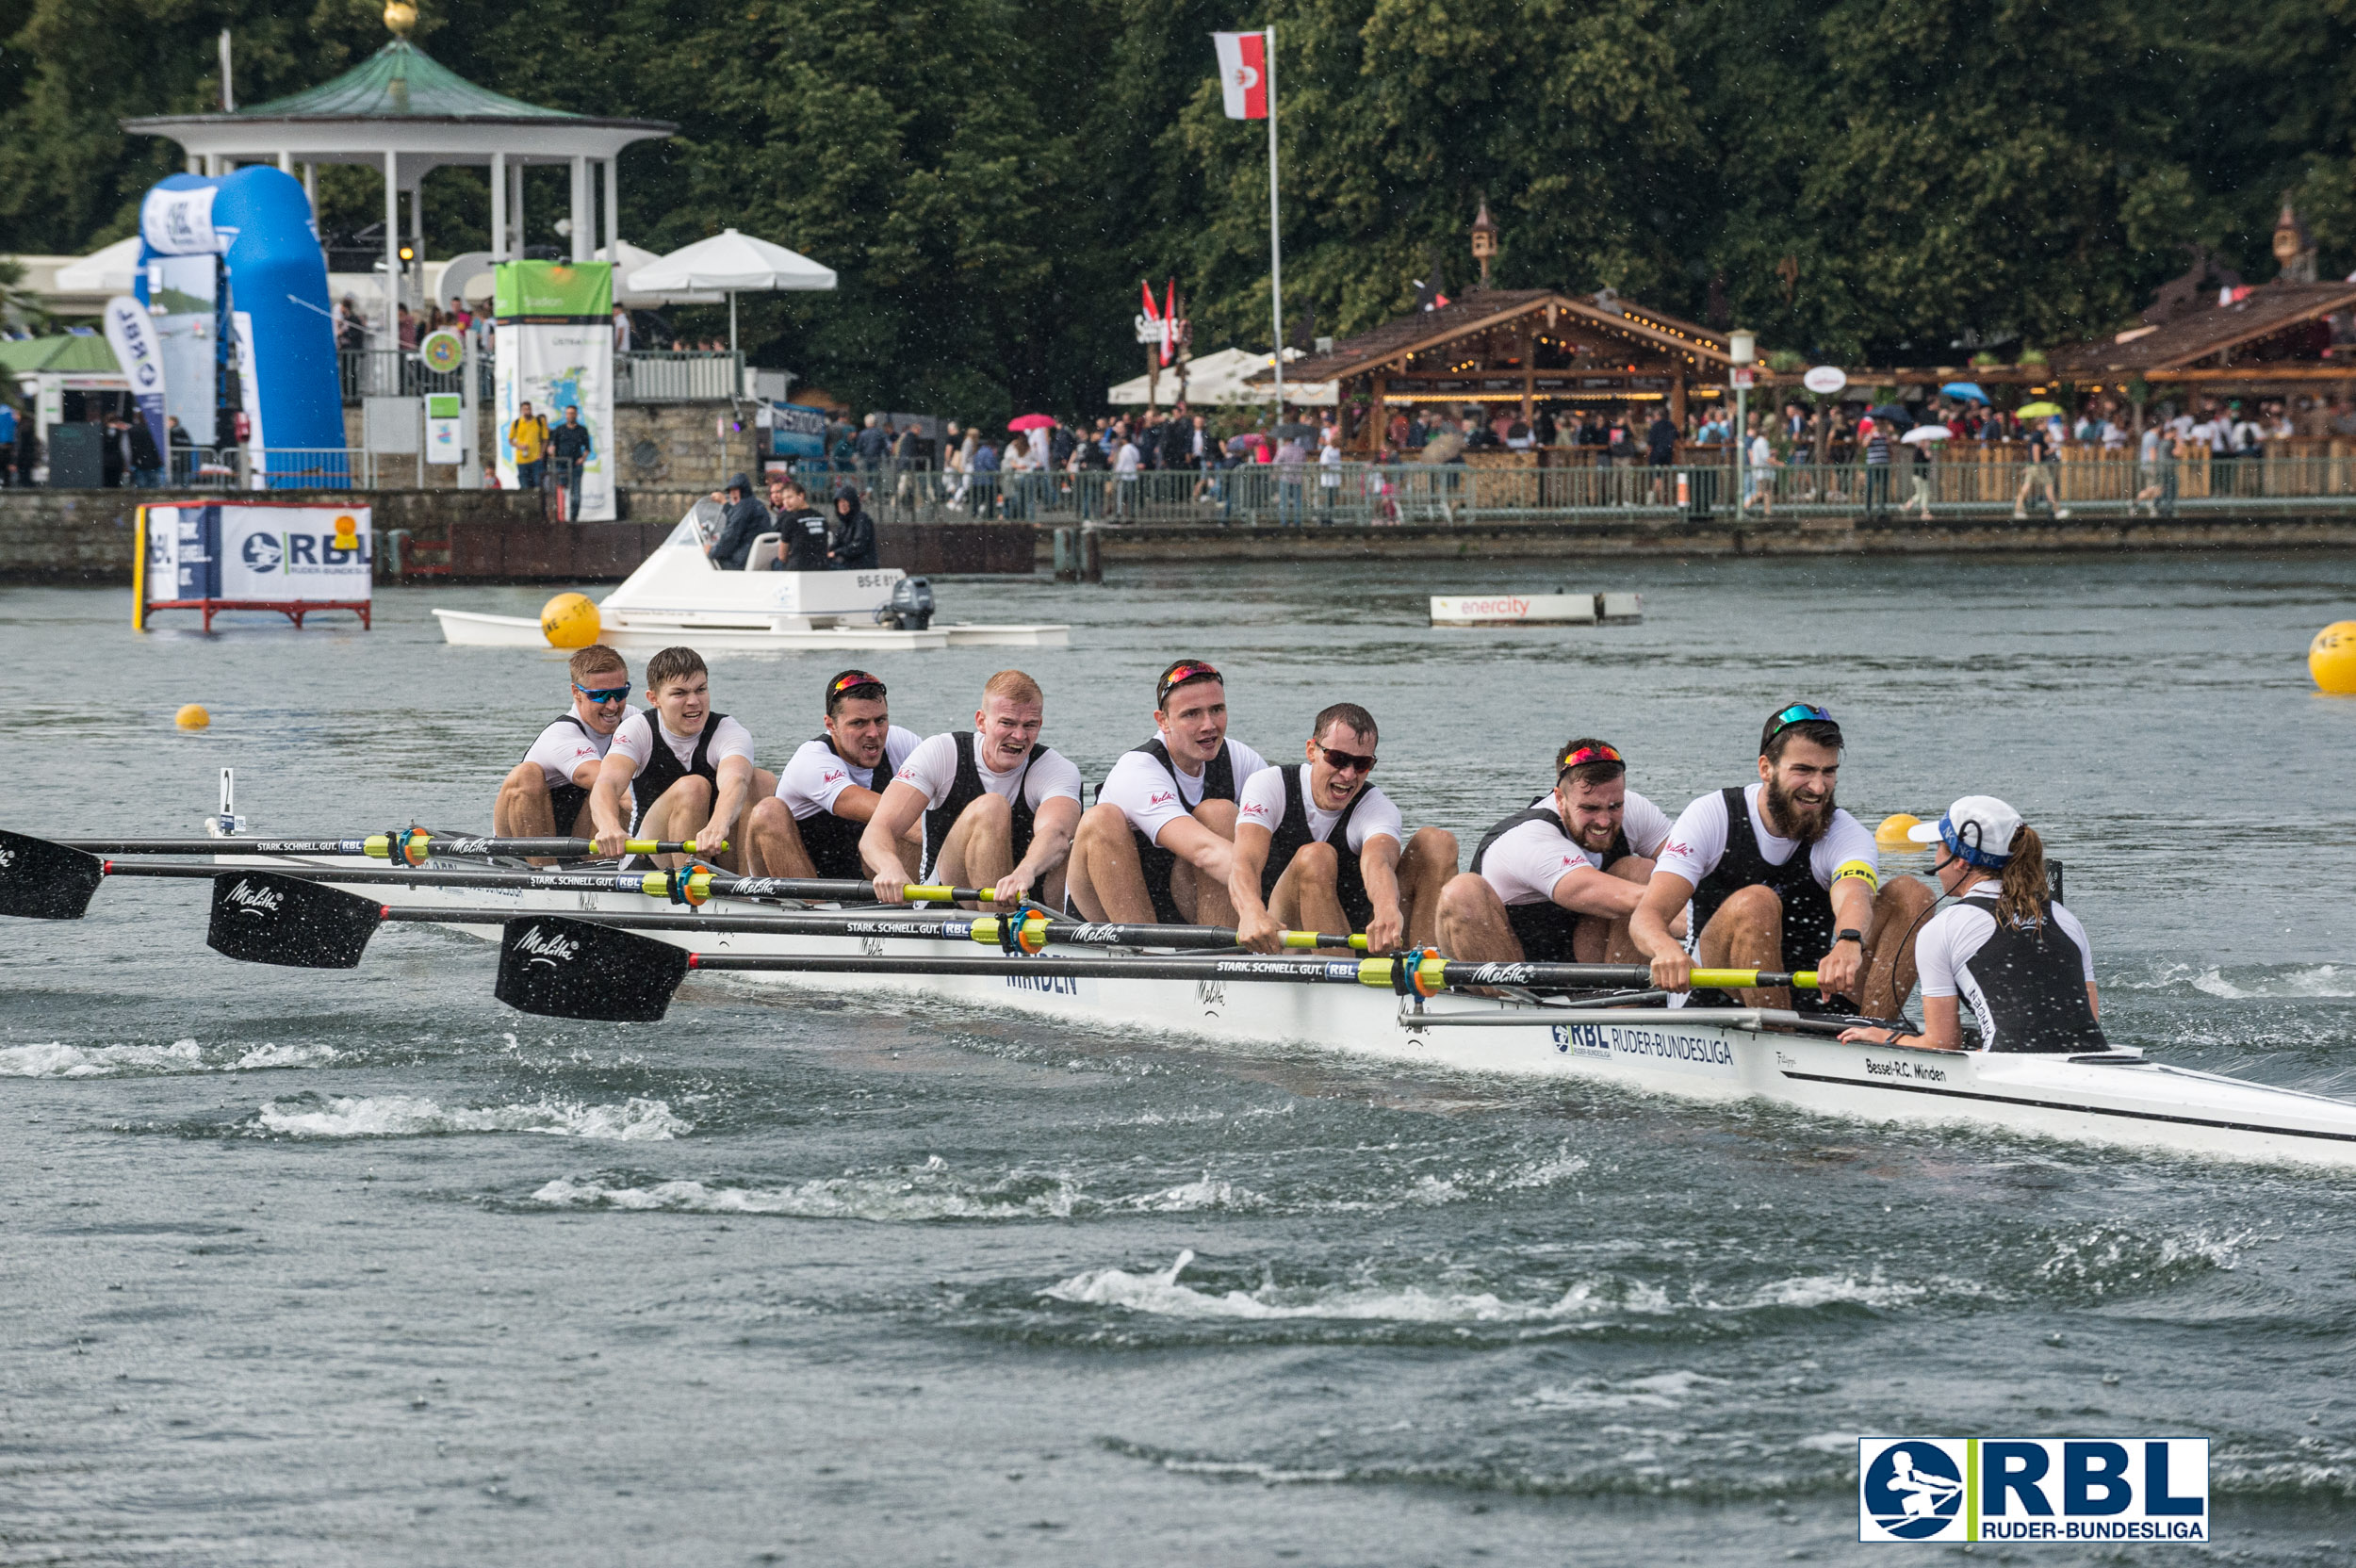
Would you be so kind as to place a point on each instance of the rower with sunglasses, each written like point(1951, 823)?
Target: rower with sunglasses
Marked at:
point(546, 795)
point(1774, 876)
point(1157, 846)
point(1558, 882)
point(1317, 848)
point(831, 788)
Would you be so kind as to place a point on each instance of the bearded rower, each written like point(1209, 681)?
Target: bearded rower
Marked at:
point(1779, 877)
point(828, 792)
point(678, 770)
point(998, 806)
point(546, 795)
point(1318, 847)
point(1158, 845)
point(1558, 882)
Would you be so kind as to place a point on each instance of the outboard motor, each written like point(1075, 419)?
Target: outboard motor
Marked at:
point(912, 606)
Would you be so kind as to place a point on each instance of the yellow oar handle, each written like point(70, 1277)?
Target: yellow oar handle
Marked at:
point(933, 893)
point(1746, 979)
point(1313, 938)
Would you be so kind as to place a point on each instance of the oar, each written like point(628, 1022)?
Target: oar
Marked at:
point(565, 968)
point(412, 847)
point(299, 921)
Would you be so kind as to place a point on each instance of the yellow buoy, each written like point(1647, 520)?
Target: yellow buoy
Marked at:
point(569, 621)
point(1891, 834)
point(2331, 658)
point(192, 716)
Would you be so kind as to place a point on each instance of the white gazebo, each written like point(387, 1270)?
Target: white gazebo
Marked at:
point(403, 112)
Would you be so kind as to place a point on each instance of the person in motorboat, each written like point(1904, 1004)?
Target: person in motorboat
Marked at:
point(1774, 876)
point(2021, 960)
point(852, 547)
point(801, 527)
point(830, 789)
point(678, 770)
point(745, 521)
point(998, 805)
point(546, 795)
point(1557, 881)
point(1158, 845)
point(1317, 848)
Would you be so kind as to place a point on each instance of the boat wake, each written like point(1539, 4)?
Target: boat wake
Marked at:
point(409, 1115)
point(58, 1060)
point(2252, 982)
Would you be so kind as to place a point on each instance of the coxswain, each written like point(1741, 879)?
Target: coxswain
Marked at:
point(546, 795)
point(1159, 845)
point(678, 770)
point(1318, 847)
point(1558, 881)
point(1778, 877)
point(2005, 946)
point(998, 806)
point(828, 792)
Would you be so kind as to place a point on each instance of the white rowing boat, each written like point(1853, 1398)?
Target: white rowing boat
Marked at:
point(2117, 1097)
point(677, 595)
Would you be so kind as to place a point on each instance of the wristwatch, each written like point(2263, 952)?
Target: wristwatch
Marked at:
point(1850, 935)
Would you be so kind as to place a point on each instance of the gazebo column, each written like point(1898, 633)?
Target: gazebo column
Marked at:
point(285, 161)
point(417, 236)
point(498, 206)
point(518, 237)
point(613, 212)
point(392, 251)
point(584, 221)
point(311, 189)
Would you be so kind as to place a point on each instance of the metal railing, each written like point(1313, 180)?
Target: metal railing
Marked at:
point(651, 377)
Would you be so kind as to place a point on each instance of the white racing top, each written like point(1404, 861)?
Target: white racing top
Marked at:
point(932, 767)
point(1261, 803)
point(1942, 953)
point(1698, 841)
point(563, 748)
point(816, 775)
point(1142, 789)
point(635, 740)
point(1525, 865)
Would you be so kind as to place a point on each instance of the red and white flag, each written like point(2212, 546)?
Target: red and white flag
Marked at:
point(1243, 73)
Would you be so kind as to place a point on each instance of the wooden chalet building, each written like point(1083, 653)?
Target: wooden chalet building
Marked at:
point(1529, 348)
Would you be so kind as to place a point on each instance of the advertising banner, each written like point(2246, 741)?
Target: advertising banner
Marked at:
point(796, 431)
point(131, 333)
point(179, 222)
point(553, 349)
point(256, 556)
point(444, 428)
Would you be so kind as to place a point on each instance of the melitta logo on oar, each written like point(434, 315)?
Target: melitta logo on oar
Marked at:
point(255, 900)
point(548, 948)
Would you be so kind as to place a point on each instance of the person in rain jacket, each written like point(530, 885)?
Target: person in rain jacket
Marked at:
point(854, 543)
point(745, 520)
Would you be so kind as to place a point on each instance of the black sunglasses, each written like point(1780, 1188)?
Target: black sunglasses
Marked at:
point(1345, 762)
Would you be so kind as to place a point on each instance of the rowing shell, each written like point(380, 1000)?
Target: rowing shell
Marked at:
point(1709, 1054)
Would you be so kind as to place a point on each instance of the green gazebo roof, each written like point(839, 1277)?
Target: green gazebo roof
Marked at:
point(400, 81)
point(68, 353)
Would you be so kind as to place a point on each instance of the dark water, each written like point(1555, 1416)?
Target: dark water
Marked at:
point(361, 1268)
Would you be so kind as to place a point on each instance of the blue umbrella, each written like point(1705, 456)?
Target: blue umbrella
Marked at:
point(1964, 390)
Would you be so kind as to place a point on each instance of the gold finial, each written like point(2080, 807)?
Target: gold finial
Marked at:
point(400, 16)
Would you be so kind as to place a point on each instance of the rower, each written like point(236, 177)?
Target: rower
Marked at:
point(546, 795)
point(1558, 882)
point(1318, 847)
point(2020, 959)
point(998, 806)
point(694, 783)
point(828, 792)
point(1778, 877)
point(1158, 845)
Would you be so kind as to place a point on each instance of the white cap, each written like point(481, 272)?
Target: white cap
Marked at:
point(1978, 827)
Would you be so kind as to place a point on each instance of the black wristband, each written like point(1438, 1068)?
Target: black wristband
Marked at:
point(1850, 935)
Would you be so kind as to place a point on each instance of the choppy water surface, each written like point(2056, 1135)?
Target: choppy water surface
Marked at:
point(363, 1268)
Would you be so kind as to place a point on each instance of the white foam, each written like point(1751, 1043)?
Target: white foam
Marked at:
point(1163, 1296)
point(1660, 1391)
point(917, 1196)
point(1819, 1290)
point(58, 1059)
point(410, 1116)
point(2287, 983)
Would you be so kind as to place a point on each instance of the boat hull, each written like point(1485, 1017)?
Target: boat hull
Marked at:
point(472, 628)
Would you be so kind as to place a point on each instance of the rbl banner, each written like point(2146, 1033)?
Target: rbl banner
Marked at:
point(266, 554)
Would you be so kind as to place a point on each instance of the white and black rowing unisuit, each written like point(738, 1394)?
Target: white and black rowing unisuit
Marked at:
point(566, 799)
point(832, 842)
point(1544, 929)
point(1219, 783)
point(2026, 984)
point(662, 768)
point(1292, 835)
point(1808, 917)
point(968, 787)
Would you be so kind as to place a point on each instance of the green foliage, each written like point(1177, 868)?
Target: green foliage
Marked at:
point(992, 181)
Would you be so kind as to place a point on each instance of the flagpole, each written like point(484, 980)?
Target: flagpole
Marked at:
point(1275, 244)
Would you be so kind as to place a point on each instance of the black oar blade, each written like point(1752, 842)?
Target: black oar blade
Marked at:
point(41, 880)
point(262, 918)
point(561, 968)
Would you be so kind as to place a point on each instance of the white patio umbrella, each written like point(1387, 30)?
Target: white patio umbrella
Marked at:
point(112, 270)
point(1921, 435)
point(730, 262)
point(636, 258)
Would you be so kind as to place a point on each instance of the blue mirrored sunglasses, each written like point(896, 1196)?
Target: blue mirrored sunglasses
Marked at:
point(1799, 712)
point(603, 694)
